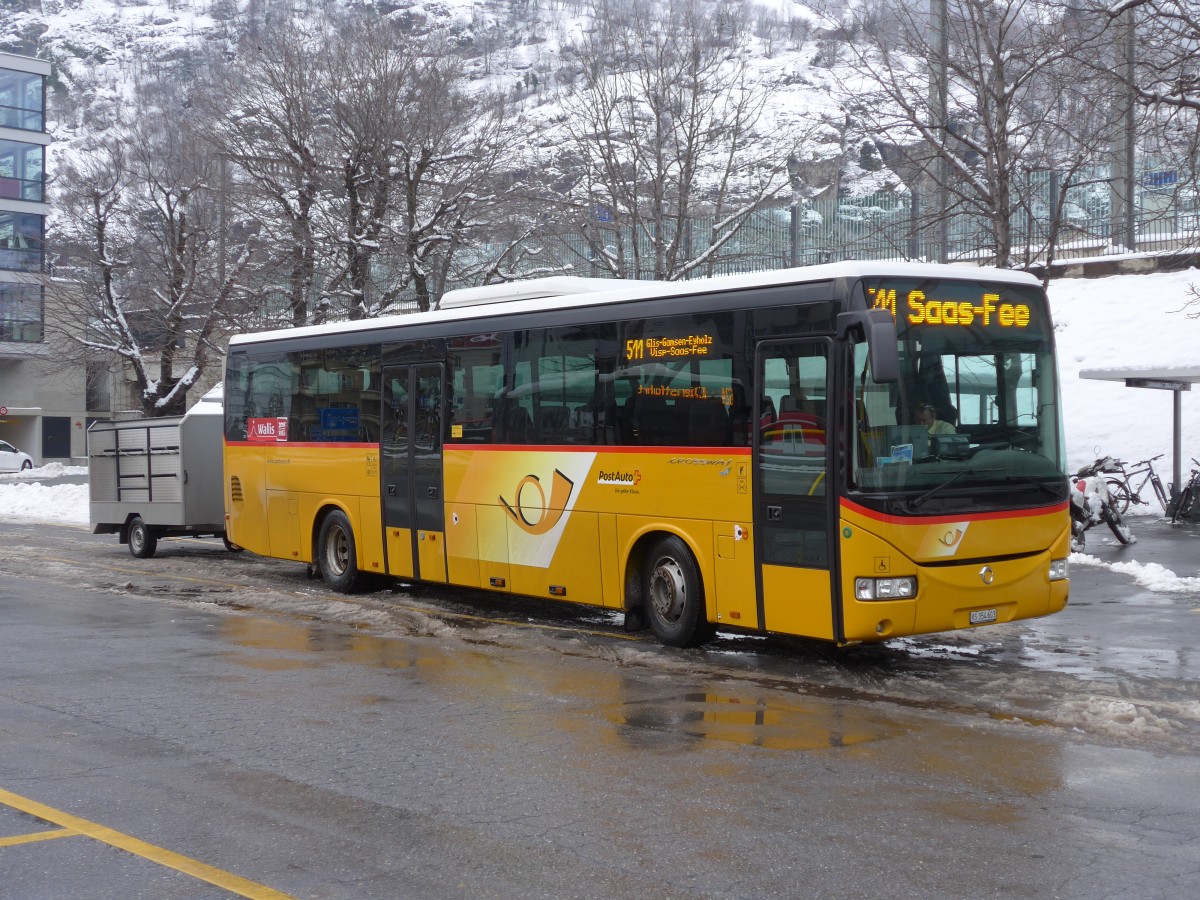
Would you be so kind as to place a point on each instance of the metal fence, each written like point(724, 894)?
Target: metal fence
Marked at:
point(1055, 217)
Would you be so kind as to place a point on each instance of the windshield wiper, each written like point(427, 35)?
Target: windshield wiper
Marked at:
point(1040, 485)
point(917, 501)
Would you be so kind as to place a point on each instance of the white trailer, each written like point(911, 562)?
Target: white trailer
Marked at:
point(155, 478)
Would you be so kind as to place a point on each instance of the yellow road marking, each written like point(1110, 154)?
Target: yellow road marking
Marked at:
point(37, 836)
point(225, 880)
point(342, 598)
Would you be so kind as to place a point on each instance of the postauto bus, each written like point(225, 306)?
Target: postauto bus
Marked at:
point(739, 453)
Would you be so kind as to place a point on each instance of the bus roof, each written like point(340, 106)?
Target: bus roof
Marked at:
point(565, 292)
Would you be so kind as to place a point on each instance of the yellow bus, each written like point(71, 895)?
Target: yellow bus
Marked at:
point(742, 452)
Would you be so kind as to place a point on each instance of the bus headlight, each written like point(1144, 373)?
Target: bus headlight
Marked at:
point(1059, 570)
point(885, 588)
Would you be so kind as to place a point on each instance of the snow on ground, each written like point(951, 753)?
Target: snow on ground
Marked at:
point(24, 497)
point(1120, 321)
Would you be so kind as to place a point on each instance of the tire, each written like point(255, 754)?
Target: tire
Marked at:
point(230, 545)
point(337, 556)
point(675, 595)
point(1118, 496)
point(1078, 537)
point(1164, 499)
point(142, 539)
point(26, 465)
point(1183, 507)
point(1117, 525)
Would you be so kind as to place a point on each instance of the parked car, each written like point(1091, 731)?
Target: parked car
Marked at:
point(12, 459)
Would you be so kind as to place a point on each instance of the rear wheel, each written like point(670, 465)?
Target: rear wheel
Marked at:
point(142, 539)
point(336, 553)
point(675, 595)
point(1118, 496)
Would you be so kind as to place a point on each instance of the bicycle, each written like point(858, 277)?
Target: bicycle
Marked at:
point(1122, 492)
point(1188, 503)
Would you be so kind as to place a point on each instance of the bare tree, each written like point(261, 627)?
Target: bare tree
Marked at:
point(1169, 37)
point(450, 171)
point(268, 114)
point(662, 131)
point(978, 104)
point(137, 239)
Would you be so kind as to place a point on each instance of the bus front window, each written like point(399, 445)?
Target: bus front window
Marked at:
point(974, 421)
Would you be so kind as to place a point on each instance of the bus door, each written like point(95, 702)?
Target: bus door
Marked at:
point(792, 499)
point(410, 470)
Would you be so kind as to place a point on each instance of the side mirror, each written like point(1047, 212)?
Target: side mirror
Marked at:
point(878, 328)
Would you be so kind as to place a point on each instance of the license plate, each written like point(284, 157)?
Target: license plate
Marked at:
point(982, 616)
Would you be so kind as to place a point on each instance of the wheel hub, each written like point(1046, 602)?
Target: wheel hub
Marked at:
point(668, 590)
point(337, 551)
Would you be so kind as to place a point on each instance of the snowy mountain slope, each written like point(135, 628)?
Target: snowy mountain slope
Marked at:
point(104, 49)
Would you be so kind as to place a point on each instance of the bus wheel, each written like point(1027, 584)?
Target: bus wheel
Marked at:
point(674, 596)
point(142, 541)
point(336, 555)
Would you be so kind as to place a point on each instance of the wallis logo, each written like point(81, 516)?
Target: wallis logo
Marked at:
point(538, 517)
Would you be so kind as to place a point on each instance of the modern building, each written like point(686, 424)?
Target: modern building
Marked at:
point(42, 397)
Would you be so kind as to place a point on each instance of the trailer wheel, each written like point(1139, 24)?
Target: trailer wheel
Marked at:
point(142, 540)
point(336, 554)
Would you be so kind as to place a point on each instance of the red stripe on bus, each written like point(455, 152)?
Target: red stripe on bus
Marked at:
point(522, 448)
point(946, 520)
point(601, 448)
point(279, 444)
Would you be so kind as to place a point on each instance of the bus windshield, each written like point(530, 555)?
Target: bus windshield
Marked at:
point(974, 421)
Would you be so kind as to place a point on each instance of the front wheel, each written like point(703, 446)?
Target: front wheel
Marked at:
point(1163, 500)
point(336, 553)
point(142, 539)
point(1117, 525)
point(1078, 538)
point(26, 465)
point(675, 595)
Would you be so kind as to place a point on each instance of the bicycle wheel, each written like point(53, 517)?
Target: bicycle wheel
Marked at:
point(1117, 525)
point(1118, 496)
point(1183, 507)
point(1161, 493)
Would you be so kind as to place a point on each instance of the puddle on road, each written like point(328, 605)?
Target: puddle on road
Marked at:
point(577, 695)
point(815, 725)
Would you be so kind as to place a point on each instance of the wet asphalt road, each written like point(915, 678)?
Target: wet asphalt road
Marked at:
point(226, 711)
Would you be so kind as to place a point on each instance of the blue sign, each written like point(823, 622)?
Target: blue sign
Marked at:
point(338, 419)
point(1160, 179)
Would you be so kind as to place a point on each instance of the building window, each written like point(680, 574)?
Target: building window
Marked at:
point(21, 101)
point(20, 242)
point(20, 312)
point(22, 168)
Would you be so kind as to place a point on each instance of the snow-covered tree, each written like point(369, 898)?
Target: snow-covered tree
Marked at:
point(977, 106)
point(137, 247)
point(662, 130)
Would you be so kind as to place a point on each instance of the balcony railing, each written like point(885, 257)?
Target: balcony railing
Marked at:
point(24, 119)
